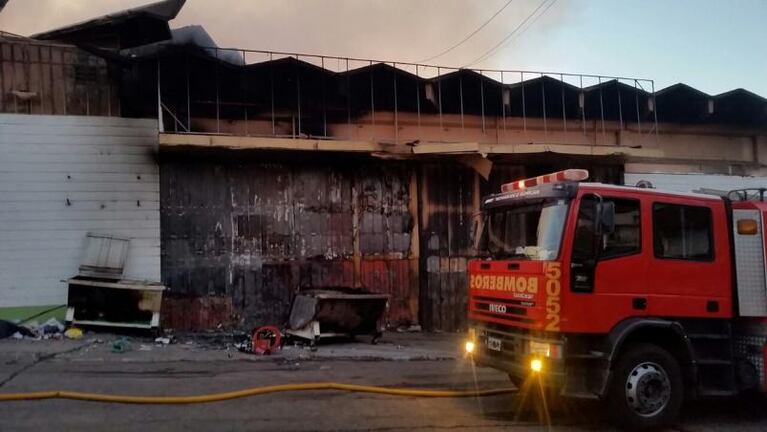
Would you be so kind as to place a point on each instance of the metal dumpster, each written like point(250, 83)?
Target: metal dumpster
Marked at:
point(337, 312)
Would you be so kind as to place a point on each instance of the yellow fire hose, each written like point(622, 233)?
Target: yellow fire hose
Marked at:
point(255, 391)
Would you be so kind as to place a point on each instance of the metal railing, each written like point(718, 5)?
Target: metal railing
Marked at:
point(595, 103)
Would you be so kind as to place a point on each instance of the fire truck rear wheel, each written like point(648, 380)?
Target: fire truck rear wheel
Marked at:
point(646, 390)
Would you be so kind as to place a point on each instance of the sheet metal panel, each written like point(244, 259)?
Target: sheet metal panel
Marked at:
point(66, 176)
point(750, 266)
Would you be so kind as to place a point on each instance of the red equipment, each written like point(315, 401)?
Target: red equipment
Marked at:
point(266, 340)
point(630, 295)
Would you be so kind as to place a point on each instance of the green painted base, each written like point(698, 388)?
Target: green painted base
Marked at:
point(22, 313)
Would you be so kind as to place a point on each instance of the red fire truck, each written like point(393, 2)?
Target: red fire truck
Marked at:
point(634, 296)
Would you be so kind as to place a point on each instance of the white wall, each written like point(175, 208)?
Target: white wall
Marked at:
point(689, 182)
point(106, 167)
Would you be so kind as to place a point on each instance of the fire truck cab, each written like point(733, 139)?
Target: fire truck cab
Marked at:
point(634, 296)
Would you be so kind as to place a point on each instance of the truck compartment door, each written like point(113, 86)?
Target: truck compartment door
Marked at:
point(748, 233)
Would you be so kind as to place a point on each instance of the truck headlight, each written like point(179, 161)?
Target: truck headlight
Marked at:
point(469, 346)
point(536, 365)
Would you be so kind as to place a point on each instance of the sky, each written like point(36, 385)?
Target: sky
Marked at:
point(713, 45)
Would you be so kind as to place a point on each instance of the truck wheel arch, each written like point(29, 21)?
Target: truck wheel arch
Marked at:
point(669, 335)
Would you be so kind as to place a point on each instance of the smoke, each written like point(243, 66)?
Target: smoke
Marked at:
point(26, 17)
point(401, 30)
point(395, 30)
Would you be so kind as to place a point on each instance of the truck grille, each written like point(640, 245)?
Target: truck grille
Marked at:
point(506, 309)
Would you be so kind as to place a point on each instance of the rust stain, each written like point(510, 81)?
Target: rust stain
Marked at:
point(197, 313)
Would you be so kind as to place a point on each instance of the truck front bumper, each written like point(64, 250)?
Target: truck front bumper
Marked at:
point(515, 353)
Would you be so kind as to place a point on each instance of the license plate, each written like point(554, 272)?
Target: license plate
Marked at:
point(493, 344)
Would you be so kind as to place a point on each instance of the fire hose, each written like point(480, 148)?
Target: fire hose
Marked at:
point(254, 391)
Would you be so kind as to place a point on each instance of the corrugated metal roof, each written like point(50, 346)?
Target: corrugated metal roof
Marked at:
point(125, 29)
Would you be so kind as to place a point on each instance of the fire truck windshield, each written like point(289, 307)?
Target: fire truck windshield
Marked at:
point(526, 230)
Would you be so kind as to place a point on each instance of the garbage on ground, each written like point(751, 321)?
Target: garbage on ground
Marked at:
point(143, 347)
point(17, 335)
point(9, 329)
point(165, 340)
point(121, 345)
point(51, 329)
point(52, 326)
point(414, 328)
point(73, 333)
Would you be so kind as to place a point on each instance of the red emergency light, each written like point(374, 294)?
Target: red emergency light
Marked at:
point(566, 175)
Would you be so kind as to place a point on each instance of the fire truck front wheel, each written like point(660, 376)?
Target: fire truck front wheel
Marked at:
point(646, 389)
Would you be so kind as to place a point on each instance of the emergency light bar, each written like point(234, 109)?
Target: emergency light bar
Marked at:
point(566, 175)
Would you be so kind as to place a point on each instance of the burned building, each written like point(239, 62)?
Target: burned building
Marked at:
point(280, 172)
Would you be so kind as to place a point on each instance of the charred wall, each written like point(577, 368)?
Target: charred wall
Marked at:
point(241, 233)
point(447, 206)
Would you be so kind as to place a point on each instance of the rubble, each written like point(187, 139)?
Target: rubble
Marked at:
point(164, 340)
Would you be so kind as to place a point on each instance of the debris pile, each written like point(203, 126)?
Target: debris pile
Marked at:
point(51, 329)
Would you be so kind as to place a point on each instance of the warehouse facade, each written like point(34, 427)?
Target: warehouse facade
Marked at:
point(282, 172)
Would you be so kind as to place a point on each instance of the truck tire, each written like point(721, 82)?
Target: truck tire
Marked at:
point(646, 390)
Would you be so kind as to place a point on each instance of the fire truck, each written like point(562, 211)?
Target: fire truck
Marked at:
point(634, 296)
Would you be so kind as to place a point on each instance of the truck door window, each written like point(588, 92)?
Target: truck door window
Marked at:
point(682, 232)
point(589, 247)
point(583, 260)
point(626, 237)
point(583, 244)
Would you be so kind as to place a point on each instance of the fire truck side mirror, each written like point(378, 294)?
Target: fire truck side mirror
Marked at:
point(605, 217)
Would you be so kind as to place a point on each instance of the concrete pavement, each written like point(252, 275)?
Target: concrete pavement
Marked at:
point(402, 360)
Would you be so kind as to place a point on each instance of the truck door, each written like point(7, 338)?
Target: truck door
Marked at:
point(608, 270)
point(689, 272)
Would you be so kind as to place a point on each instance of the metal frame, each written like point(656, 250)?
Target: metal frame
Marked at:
point(298, 129)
